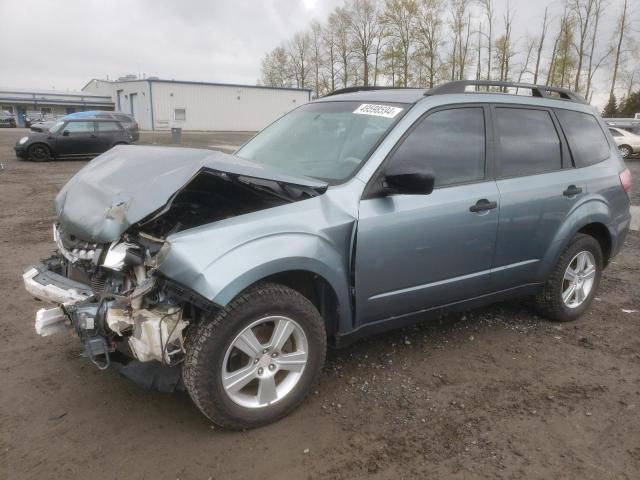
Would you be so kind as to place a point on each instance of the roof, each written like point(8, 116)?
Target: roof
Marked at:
point(189, 82)
point(48, 93)
point(397, 95)
point(53, 97)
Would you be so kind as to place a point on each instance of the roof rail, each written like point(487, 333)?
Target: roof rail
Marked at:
point(361, 88)
point(544, 91)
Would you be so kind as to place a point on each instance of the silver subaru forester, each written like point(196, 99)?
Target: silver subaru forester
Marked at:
point(366, 210)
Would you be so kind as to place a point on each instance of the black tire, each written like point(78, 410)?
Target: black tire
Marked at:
point(39, 153)
point(549, 301)
point(625, 151)
point(209, 343)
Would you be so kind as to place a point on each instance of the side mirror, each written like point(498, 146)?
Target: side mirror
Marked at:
point(409, 183)
point(65, 133)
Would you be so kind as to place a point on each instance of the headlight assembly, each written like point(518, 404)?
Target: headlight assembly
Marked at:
point(23, 140)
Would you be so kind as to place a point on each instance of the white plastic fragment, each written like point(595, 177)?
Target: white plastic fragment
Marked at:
point(50, 321)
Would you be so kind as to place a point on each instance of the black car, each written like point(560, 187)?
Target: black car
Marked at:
point(73, 139)
point(7, 119)
point(126, 120)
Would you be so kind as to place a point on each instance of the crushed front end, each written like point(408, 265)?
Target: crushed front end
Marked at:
point(111, 296)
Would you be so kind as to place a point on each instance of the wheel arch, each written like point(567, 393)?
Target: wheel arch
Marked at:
point(43, 144)
point(306, 263)
point(314, 288)
point(593, 218)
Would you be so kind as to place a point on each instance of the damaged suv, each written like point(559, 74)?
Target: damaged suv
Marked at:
point(366, 210)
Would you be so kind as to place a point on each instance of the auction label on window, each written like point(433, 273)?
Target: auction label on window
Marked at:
point(377, 110)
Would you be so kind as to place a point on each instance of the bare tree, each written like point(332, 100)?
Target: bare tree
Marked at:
point(504, 46)
point(488, 8)
point(593, 66)
point(460, 24)
point(582, 12)
point(364, 21)
point(275, 68)
point(479, 53)
point(524, 67)
point(339, 23)
point(563, 60)
point(622, 26)
point(429, 27)
point(540, 45)
point(316, 54)
point(400, 18)
point(298, 49)
point(330, 54)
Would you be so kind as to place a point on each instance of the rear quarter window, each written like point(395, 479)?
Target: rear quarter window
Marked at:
point(586, 139)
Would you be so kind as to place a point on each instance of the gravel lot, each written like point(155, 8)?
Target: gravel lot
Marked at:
point(493, 393)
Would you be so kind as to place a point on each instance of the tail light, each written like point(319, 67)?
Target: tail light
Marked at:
point(625, 180)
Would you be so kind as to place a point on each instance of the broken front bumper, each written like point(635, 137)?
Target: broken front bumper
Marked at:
point(152, 332)
point(52, 287)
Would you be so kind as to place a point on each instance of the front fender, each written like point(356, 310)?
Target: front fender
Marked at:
point(224, 277)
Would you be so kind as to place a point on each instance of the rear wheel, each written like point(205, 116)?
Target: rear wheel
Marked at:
point(39, 153)
point(257, 359)
point(625, 151)
point(574, 281)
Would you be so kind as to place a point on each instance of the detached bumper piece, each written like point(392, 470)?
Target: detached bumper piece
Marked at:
point(43, 283)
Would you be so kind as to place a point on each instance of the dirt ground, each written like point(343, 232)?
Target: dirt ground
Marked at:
point(493, 393)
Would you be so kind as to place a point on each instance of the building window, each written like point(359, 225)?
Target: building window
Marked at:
point(7, 108)
point(180, 114)
point(46, 111)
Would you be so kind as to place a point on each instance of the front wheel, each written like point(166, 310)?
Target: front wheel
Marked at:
point(257, 359)
point(573, 282)
point(39, 153)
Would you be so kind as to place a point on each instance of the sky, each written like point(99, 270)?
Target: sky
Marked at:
point(62, 44)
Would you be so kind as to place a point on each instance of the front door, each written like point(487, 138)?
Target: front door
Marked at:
point(77, 139)
point(416, 252)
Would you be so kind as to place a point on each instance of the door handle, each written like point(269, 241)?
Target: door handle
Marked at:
point(482, 205)
point(571, 191)
point(93, 135)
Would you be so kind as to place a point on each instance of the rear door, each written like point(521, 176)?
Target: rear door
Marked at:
point(416, 252)
point(109, 133)
point(77, 139)
point(538, 188)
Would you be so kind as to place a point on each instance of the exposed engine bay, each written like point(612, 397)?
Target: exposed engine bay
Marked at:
point(111, 293)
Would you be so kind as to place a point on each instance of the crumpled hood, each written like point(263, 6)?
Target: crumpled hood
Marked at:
point(128, 183)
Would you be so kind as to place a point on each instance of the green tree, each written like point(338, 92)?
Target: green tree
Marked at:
point(629, 106)
point(611, 108)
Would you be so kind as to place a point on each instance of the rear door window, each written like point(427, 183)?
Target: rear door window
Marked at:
point(104, 127)
point(79, 127)
point(586, 139)
point(451, 142)
point(528, 142)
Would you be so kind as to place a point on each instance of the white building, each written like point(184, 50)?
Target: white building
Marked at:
point(50, 103)
point(163, 104)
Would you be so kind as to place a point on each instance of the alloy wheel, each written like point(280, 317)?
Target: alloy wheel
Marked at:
point(625, 152)
point(578, 280)
point(264, 363)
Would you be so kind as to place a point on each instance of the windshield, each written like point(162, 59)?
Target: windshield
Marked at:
point(56, 127)
point(327, 140)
